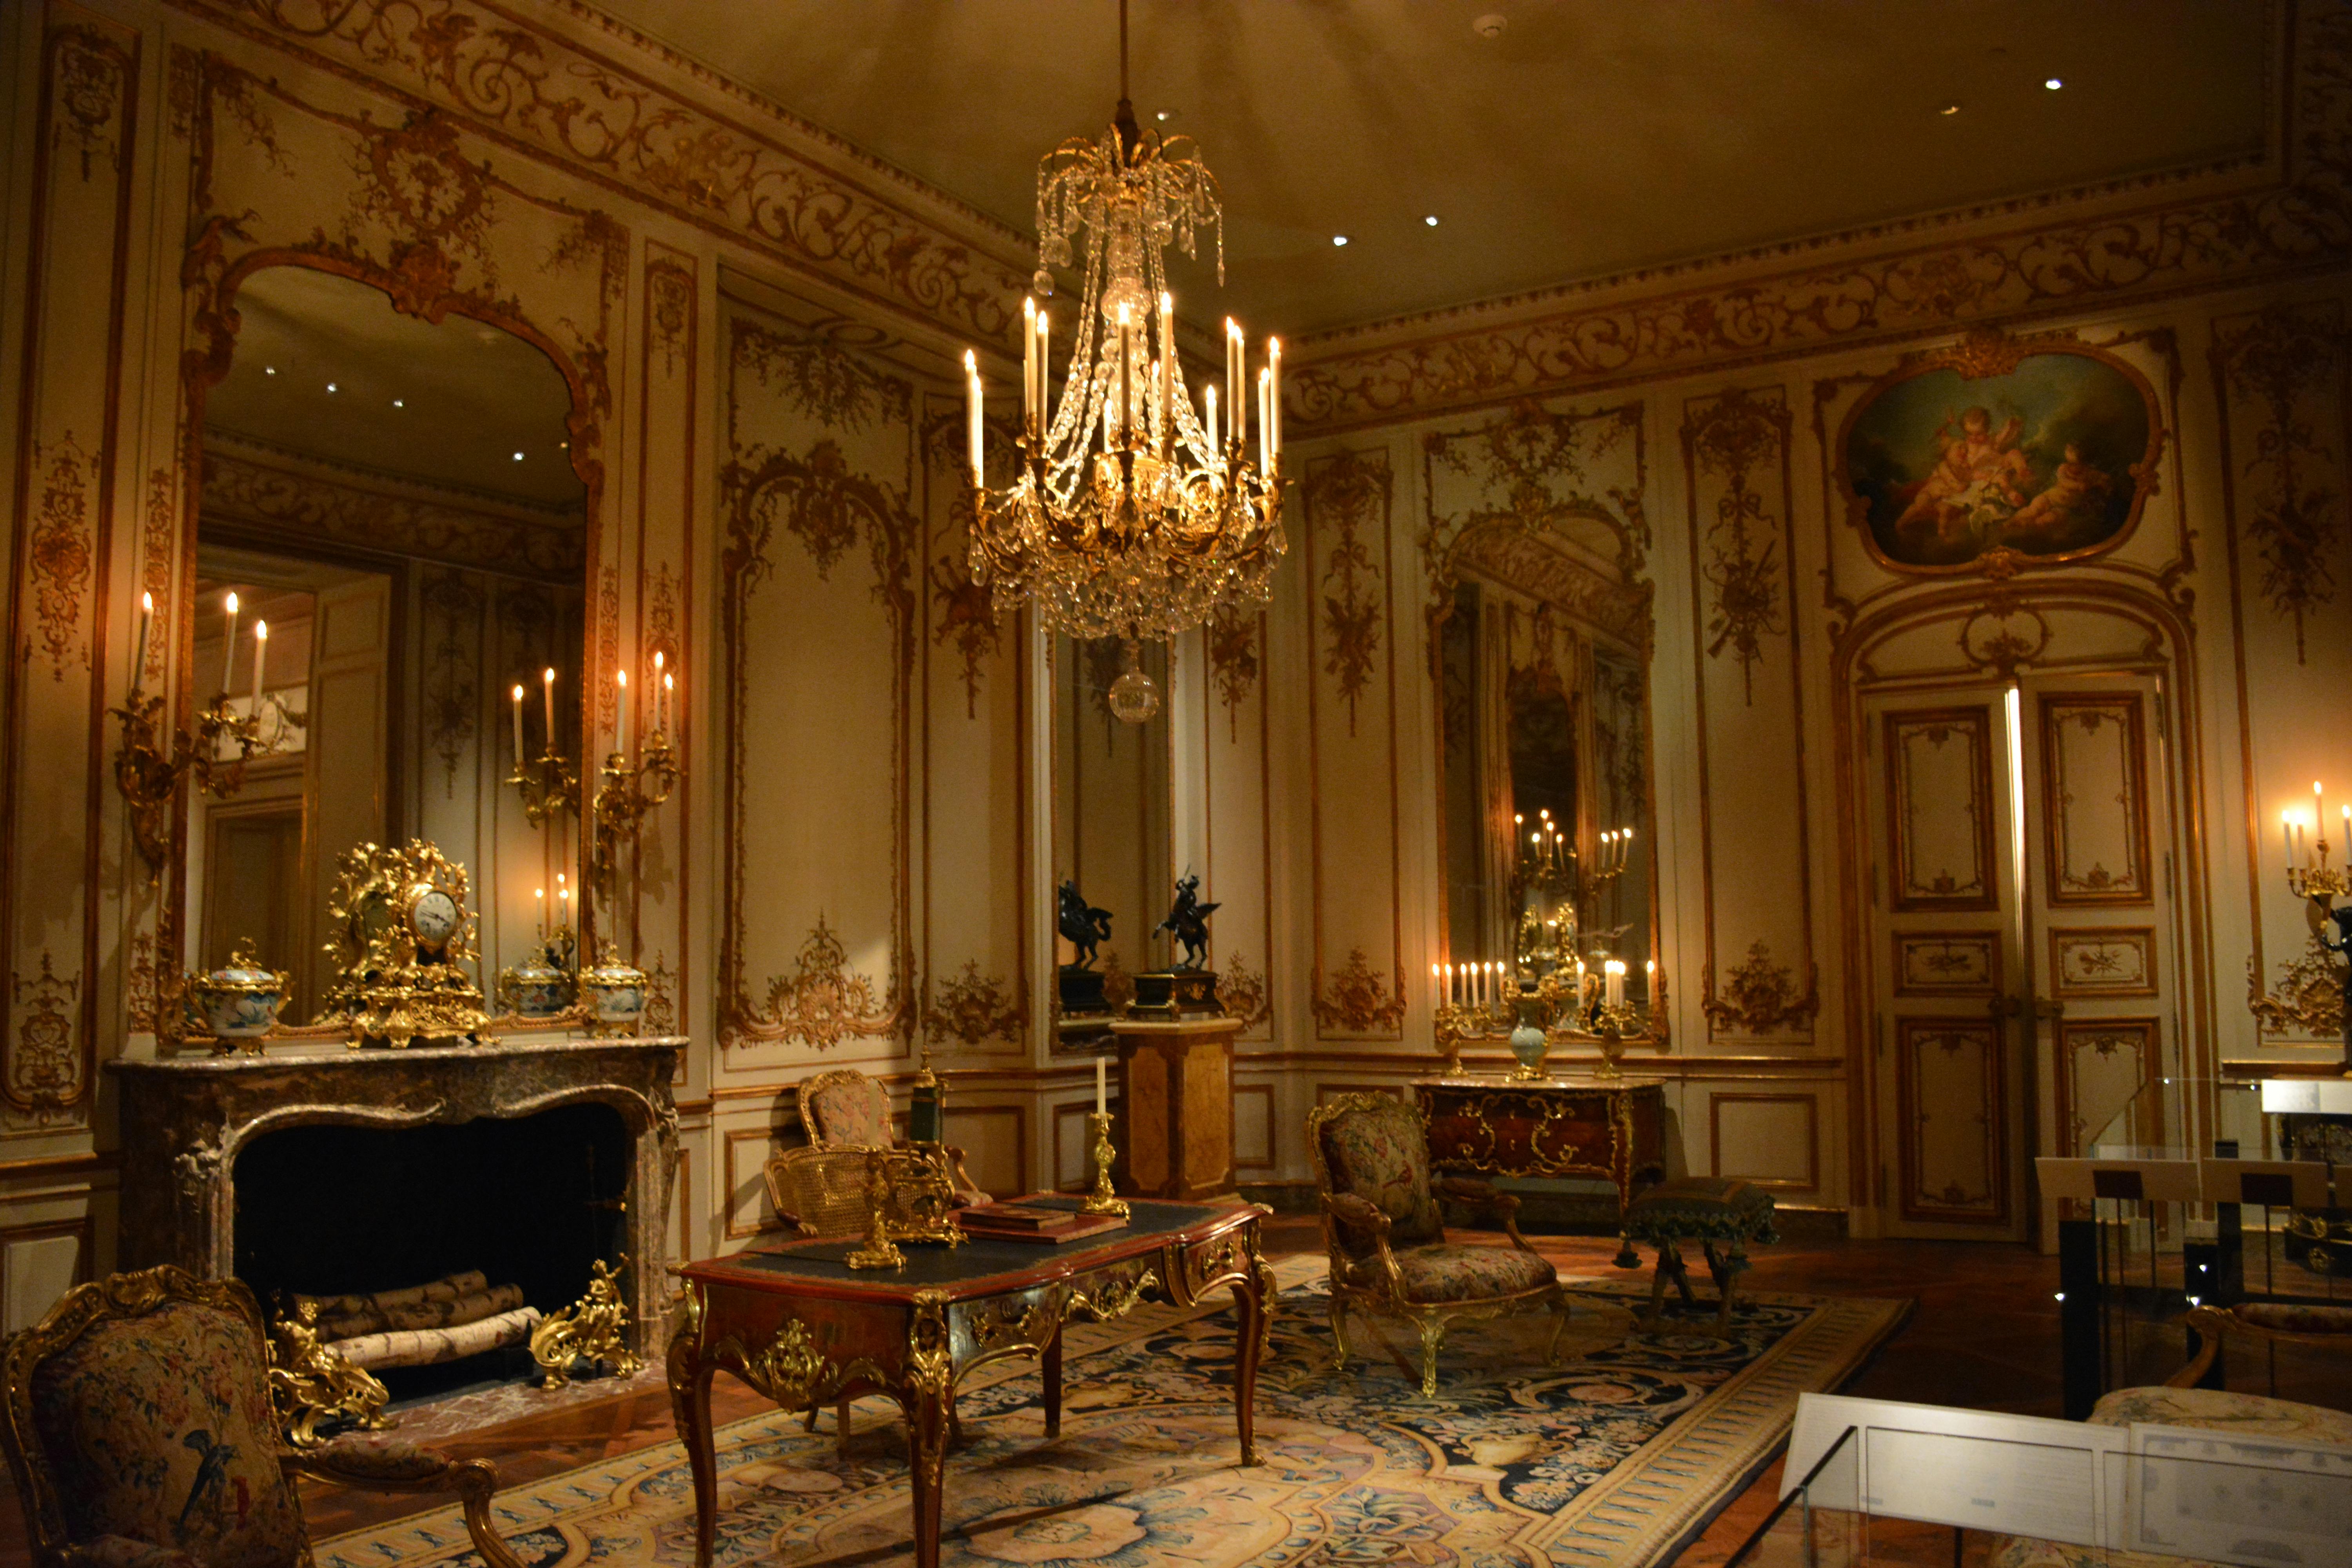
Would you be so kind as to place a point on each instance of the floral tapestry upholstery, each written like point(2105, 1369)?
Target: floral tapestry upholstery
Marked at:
point(2211, 1409)
point(1456, 1273)
point(1380, 1154)
point(848, 1110)
point(1702, 1208)
point(159, 1430)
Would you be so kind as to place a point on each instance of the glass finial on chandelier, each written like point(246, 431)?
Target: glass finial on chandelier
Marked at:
point(1128, 514)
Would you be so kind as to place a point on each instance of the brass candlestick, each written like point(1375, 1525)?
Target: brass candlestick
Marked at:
point(548, 784)
point(2322, 884)
point(879, 1251)
point(1103, 1200)
point(623, 798)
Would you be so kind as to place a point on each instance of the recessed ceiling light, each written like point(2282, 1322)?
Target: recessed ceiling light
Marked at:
point(518, 457)
point(1491, 25)
point(1948, 108)
point(563, 446)
point(396, 403)
point(2054, 84)
point(269, 370)
point(1339, 239)
point(1167, 114)
point(331, 386)
point(1431, 220)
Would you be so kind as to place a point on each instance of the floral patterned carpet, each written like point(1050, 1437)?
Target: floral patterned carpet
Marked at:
point(1618, 1456)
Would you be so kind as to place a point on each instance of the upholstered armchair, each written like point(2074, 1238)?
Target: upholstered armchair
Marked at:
point(1387, 1241)
point(139, 1428)
point(844, 1108)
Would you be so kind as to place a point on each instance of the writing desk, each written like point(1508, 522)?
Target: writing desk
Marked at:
point(797, 1323)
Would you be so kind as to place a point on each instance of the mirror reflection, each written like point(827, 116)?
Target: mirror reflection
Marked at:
point(1111, 834)
point(391, 539)
point(1544, 737)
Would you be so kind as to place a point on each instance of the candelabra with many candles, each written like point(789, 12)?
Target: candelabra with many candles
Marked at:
point(1562, 984)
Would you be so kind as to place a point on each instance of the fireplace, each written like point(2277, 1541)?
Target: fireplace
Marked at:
point(363, 1170)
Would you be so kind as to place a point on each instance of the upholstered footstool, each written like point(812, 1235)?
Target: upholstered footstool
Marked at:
point(1722, 1214)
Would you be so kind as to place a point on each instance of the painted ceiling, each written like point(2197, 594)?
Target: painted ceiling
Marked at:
point(1588, 139)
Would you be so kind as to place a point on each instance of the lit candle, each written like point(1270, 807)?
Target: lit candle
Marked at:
point(1102, 1087)
point(1163, 425)
point(146, 621)
point(1274, 399)
point(1208, 422)
point(971, 413)
point(1613, 983)
point(1264, 427)
point(518, 718)
point(2286, 834)
point(621, 711)
point(1029, 364)
point(538, 905)
point(562, 905)
point(661, 684)
point(261, 650)
point(1126, 389)
point(1437, 984)
point(2318, 811)
point(229, 645)
point(547, 687)
point(2347, 833)
point(1234, 378)
point(1044, 362)
point(668, 697)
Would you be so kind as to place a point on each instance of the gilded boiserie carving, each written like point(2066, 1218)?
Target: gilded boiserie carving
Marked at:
point(1356, 1001)
point(157, 531)
point(1346, 506)
point(2281, 376)
point(1233, 638)
point(453, 663)
point(44, 1068)
point(823, 1001)
point(1760, 997)
point(966, 610)
point(59, 553)
point(1729, 440)
point(570, 104)
point(243, 480)
point(2044, 260)
point(2306, 1002)
point(973, 1009)
point(1244, 993)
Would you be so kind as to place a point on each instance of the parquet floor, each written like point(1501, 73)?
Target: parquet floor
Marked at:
point(1983, 1333)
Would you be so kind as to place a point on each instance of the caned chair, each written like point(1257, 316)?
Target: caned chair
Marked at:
point(1387, 1242)
point(139, 1428)
point(844, 1108)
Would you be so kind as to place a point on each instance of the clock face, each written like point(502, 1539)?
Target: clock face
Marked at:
point(434, 917)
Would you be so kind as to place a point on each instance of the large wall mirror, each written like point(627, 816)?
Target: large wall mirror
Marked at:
point(395, 502)
point(1544, 744)
point(1113, 825)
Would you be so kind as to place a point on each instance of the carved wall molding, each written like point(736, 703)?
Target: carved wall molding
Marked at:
point(752, 172)
point(1729, 439)
point(1356, 1000)
point(1244, 993)
point(2037, 256)
point(2287, 492)
point(974, 1008)
point(1760, 997)
point(44, 1063)
point(452, 664)
point(2306, 1000)
point(250, 483)
point(1232, 637)
point(1346, 505)
point(823, 1002)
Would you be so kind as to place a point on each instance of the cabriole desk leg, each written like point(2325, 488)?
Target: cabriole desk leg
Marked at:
point(689, 1398)
point(1049, 1373)
point(925, 1395)
point(1249, 1296)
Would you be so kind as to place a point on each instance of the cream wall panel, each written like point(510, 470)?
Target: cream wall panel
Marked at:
point(1769, 1138)
point(996, 1143)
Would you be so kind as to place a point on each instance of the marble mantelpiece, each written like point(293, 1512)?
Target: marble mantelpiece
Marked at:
point(185, 1119)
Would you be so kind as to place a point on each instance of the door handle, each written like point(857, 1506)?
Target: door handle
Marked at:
point(2046, 1007)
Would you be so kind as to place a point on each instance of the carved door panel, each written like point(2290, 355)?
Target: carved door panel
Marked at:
point(1951, 1085)
point(2099, 899)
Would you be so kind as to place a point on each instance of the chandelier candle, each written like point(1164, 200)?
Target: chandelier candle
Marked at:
point(261, 652)
point(228, 644)
point(1172, 519)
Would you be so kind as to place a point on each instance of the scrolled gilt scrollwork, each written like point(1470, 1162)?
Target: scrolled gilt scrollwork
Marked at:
point(2308, 1000)
point(1006, 1322)
point(1114, 1295)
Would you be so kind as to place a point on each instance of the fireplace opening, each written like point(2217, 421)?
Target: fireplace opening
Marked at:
point(335, 1210)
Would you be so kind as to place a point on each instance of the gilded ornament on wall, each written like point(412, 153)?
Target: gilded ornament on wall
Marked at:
point(59, 553)
point(2043, 448)
point(44, 1068)
point(2289, 483)
point(1730, 440)
point(1760, 997)
point(823, 1001)
point(1232, 661)
point(1356, 1000)
point(2307, 1000)
point(973, 1009)
point(453, 608)
point(1347, 511)
point(1244, 992)
point(967, 619)
point(818, 377)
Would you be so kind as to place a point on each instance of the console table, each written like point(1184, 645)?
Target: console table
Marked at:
point(797, 1323)
point(1610, 1127)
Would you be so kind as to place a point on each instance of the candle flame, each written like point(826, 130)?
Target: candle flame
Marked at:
point(261, 631)
point(147, 603)
point(518, 691)
point(548, 675)
point(232, 604)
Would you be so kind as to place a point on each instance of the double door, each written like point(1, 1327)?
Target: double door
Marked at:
point(2024, 958)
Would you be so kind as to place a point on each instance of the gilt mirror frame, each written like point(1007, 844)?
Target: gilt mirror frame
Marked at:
point(428, 295)
point(1615, 610)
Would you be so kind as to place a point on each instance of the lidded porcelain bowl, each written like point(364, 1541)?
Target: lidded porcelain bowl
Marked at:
point(240, 1000)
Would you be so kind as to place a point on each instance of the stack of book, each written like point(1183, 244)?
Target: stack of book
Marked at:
point(1034, 1223)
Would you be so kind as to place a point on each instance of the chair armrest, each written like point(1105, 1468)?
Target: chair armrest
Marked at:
point(1479, 1193)
point(121, 1551)
point(390, 1465)
point(2208, 1324)
point(1361, 1212)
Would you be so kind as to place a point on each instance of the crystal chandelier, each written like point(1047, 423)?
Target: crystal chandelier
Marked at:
point(1130, 515)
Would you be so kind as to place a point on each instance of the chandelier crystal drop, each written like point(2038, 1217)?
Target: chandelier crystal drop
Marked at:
point(1128, 514)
